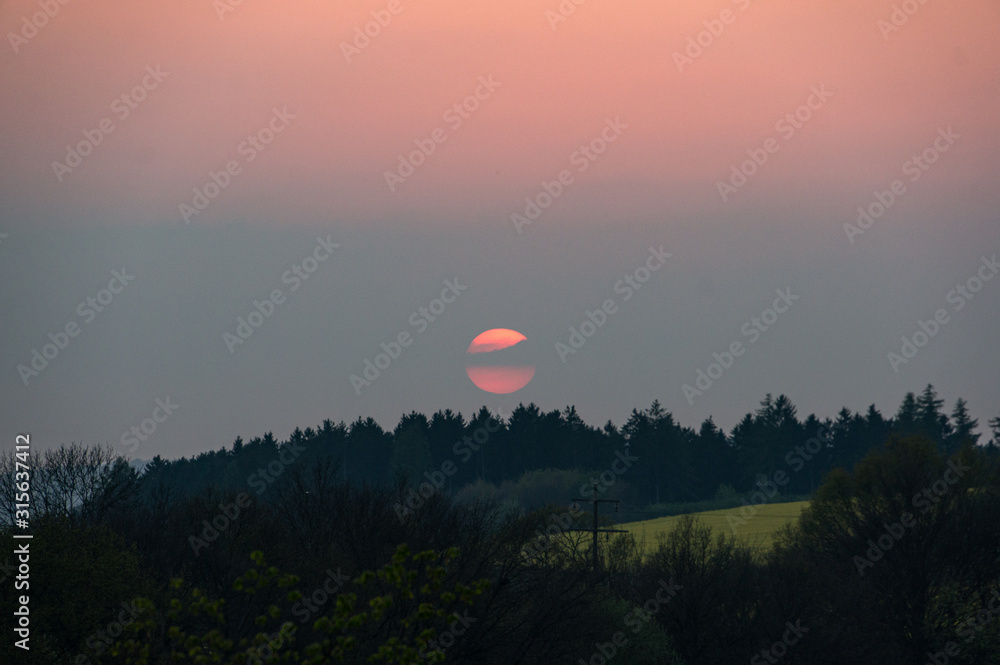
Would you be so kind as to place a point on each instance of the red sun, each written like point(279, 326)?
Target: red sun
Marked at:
point(494, 363)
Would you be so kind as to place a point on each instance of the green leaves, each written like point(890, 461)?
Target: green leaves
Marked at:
point(390, 599)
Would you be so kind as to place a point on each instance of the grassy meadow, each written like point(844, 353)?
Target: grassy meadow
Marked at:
point(758, 529)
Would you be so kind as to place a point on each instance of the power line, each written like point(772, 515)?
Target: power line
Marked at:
point(594, 529)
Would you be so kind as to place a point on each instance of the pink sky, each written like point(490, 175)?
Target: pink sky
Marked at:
point(557, 87)
point(606, 76)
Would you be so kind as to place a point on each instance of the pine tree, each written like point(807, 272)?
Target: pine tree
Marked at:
point(963, 427)
point(906, 417)
point(931, 422)
point(995, 426)
point(411, 454)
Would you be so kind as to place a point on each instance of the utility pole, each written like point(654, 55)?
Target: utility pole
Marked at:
point(594, 529)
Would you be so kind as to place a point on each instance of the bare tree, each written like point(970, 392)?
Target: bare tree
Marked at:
point(79, 483)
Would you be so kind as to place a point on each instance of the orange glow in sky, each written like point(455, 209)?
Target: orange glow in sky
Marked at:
point(689, 118)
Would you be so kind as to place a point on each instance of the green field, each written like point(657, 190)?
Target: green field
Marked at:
point(758, 529)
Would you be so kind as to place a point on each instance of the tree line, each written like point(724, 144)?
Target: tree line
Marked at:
point(677, 463)
point(894, 561)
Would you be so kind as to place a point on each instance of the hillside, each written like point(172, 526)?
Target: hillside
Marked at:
point(758, 529)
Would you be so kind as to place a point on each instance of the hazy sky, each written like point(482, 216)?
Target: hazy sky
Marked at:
point(176, 162)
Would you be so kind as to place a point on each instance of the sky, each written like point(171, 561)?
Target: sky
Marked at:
point(693, 202)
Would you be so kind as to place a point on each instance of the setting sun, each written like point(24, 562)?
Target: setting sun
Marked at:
point(496, 372)
point(494, 340)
